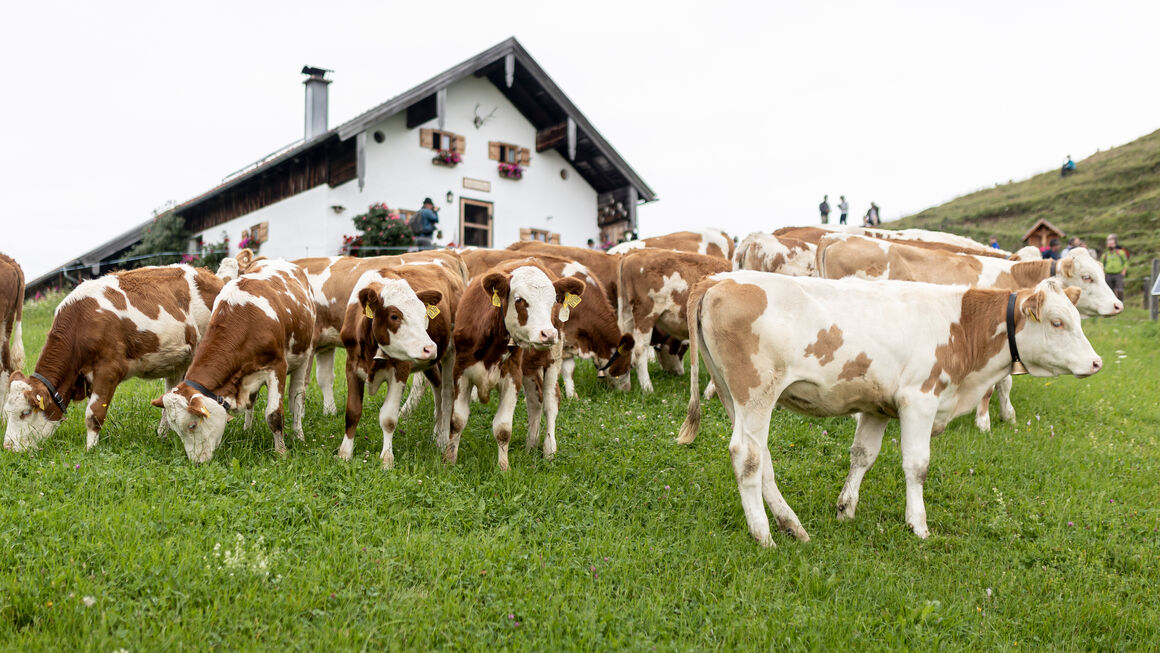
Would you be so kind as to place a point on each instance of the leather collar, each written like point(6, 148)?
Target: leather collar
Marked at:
point(1017, 366)
point(56, 398)
point(205, 391)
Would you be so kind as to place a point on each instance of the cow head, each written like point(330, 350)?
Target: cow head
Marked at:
point(528, 299)
point(1079, 270)
point(399, 318)
point(1051, 341)
point(196, 419)
point(32, 415)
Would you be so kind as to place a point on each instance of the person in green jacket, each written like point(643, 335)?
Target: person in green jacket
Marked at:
point(1115, 262)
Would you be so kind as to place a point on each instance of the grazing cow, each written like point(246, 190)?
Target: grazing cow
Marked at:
point(333, 279)
point(769, 253)
point(936, 240)
point(261, 331)
point(829, 348)
point(398, 321)
point(1028, 253)
point(11, 311)
point(600, 264)
point(842, 255)
point(511, 311)
point(654, 290)
point(142, 323)
point(707, 242)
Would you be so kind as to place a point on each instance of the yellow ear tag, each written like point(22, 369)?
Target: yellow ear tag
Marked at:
point(622, 350)
point(571, 300)
point(495, 299)
point(432, 311)
point(370, 313)
point(40, 400)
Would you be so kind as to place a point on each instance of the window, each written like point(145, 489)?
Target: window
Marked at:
point(508, 153)
point(436, 139)
point(542, 235)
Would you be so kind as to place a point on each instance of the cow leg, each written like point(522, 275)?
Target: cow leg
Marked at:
point(750, 431)
point(567, 368)
point(670, 362)
point(445, 396)
point(354, 407)
point(863, 453)
point(534, 402)
point(501, 426)
point(710, 390)
point(787, 520)
point(418, 387)
point(551, 402)
point(1006, 409)
point(275, 406)
point(916, 428)
point(163, 424)
point(640, 351)
point(983, 412)
point(324, 372)
point(461, 411)
point(104, 385)
point(389, 418)
point(298, 381)
point(249, 422)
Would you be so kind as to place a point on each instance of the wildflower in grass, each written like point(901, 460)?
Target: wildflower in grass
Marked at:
point(1071, 523)
point(88, 601)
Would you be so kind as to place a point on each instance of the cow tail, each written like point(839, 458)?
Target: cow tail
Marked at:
point(693, 416)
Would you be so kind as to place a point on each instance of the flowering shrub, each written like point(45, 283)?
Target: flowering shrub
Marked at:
point(251, 243)
point(211, 255)
point(511, 170)
point(380, 228)
point(447, 157)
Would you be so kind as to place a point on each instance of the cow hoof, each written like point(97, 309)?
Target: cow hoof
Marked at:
point(983, 424)
point(845, 511)
point(91, 440)
point(764, 540)
point(503, 466)
point(388, 460)
point(795, 529)
point(329, 409)
point(1007, 417)
point(921, 530)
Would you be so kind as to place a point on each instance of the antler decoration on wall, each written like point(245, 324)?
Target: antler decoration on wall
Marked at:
point(480, 121)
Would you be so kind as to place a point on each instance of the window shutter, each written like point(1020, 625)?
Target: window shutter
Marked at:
point(427, 138)
point(525, 156)
point(460, 144)
point(493, 150)
point(554, 239)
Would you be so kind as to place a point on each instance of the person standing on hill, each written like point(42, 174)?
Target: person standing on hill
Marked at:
point(1068, 167)
point(824, 209)
point(995, 242)
point(1115, 262)
point(871, 218)
point(843, 209)
point(1052, 251)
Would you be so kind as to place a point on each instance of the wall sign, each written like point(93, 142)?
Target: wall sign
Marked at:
point(477, 184)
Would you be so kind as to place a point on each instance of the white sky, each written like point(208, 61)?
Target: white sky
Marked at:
point(739, 115)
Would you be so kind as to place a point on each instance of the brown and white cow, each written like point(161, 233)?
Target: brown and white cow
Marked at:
point(399, 321)
point(841, 256)
point(11, 313)
point(654, 290)
point(827, 348)
point(333, 279)
point(923, 238)
point(707, 242)
point(769, 253)
point(513, 309)
point(141, 323)
point(601, 264)
point(261, 332)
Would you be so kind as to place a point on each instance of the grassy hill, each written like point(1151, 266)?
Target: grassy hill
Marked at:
point(1115, 191)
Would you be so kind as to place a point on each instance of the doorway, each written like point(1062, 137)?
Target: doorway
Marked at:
point(474, 223)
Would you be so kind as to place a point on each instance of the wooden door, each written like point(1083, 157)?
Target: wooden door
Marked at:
point(475, 221)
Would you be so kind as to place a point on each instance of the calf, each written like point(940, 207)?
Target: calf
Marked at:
point(260, 332)
point(707, 242)
point(142, 323)
point(654, 290)
point(828, 348)
point(514, 307)
point(769, 253)
point(11, 311)
point(398, 321)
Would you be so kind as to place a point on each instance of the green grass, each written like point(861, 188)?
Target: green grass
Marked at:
point(627, 540)
point(1114, 191)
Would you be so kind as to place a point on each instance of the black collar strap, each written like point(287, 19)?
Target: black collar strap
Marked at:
point(56, 398)
point(1016, 364)
point(1053, 262)
point(205, 391)
point(615, 355)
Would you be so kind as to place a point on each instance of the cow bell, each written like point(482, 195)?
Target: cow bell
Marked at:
point(1017, 368)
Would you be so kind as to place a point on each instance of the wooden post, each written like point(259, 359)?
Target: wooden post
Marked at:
point(1153, 300)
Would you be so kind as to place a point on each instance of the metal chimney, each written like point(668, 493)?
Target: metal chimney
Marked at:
point(316, 85)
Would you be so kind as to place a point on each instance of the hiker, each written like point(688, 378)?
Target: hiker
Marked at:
point(423, 224)
point(871, 218)
point(1068, 167)
point(995, 242)
point(824, 209)
point(843, 208)
point(1052, 251)
point(1115, 262)
point(1072, 243)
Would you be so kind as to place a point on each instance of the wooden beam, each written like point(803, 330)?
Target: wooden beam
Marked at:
point(509, 69)
point(571, 139)
point(441, 106)
point(551, 137)
point(360, 146)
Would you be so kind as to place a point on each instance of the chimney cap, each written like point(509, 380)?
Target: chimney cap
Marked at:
point(316, 72)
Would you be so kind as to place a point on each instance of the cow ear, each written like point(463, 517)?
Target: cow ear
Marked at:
point(1033, 305)
point(370, 300)
point(430, 297)
point(568, 285)
point(158, 402)
point(17, 376)
point(1067, 268)
point(624, 347)
point(497, 284)
point(34, 400)
point(197, 407)
point(1073, 294)
point(244, 258)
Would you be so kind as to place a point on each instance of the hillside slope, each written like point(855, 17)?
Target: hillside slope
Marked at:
point(1115, 191)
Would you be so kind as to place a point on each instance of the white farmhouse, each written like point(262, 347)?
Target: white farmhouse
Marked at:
point(493, 111)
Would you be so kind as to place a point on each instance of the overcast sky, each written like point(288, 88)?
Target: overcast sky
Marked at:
point(739, 115)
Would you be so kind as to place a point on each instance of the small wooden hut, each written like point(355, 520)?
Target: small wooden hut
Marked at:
point(1041, 233)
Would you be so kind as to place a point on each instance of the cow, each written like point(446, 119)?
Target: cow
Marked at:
point(514, 309)
point(769, 253)
point(843, 255)
point(261, 332)
point(332, 279)
point(399, 320)
point(828, 348)
point(1027, 253)
point(936, 240)
point(142, 323)
point(654, 289)
point(11, 313)
point(707, 242)
point(598, 263)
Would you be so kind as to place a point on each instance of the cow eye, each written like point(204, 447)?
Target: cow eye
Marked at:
point(192, 425)
point(1087, 278)
point(25, 413)
point(1057, 323)
point(394, 317)
point(520, 301)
